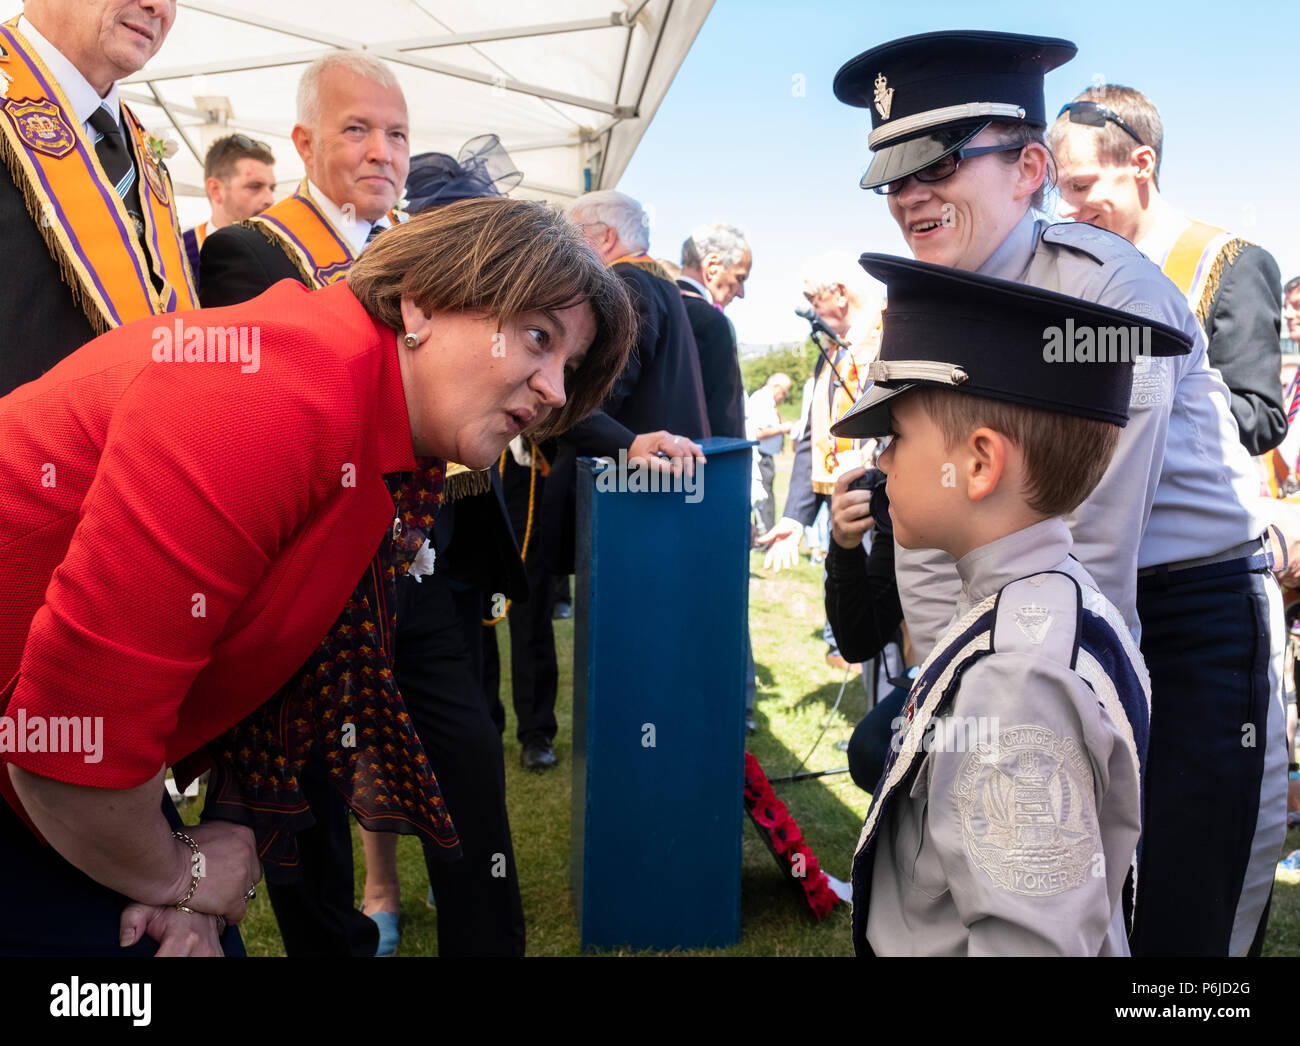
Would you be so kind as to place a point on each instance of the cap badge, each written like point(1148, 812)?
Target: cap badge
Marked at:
point(1034, 621)
point(884, 96)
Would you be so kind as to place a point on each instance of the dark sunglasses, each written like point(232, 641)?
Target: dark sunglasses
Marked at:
point(245, 142)
point(946, 166)
point(1095, 114)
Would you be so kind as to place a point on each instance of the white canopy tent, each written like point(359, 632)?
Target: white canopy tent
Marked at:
point(569, 86)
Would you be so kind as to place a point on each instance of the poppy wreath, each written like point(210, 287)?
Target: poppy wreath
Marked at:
point(779, 830)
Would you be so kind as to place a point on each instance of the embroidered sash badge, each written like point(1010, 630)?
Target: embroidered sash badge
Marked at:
point(41, 126)
point(153, 175)
point(333, 273)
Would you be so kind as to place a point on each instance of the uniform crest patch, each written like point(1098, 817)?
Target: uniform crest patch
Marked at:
point(1148, 383)
point(1033, 622)
point(1027, 811)
point(40, 124)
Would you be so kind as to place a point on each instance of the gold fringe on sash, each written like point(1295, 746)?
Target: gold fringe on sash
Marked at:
point(99, 323)
point(287, 249)
point(1228, 255)
point(464, 482)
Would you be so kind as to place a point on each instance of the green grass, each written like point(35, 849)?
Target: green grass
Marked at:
point(796, 693)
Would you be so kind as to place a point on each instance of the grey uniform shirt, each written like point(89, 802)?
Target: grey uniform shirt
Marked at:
point(1180, 486)
point(1019, 846)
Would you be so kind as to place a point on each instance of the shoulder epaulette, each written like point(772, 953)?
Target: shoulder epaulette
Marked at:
point(1103, 246)
point(1040, 615)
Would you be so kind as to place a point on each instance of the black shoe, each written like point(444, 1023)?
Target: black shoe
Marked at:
point(562, 611)
point(538, 755)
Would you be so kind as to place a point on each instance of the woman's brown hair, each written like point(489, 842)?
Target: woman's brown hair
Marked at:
point(502, 258)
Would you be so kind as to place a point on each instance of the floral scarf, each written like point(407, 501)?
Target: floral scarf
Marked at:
point(343, 707)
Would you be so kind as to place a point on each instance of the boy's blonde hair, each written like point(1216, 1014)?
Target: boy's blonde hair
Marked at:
point(1065, 455)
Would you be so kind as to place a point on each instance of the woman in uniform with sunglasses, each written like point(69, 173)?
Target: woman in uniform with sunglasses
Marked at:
point(958, 120)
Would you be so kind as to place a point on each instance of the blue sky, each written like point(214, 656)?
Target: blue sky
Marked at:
point(750, 132)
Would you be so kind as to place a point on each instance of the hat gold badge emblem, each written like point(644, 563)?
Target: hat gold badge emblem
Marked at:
point(884, 96)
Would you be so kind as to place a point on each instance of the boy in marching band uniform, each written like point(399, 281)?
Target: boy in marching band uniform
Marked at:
point(1008, 816)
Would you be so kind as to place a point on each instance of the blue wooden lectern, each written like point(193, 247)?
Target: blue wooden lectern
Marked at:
point(662, 598)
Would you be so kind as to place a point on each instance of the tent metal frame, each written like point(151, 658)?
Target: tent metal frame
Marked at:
point(592, 141)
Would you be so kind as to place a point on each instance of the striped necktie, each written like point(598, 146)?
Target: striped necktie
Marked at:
point(375, 230)
point(114, 157)
point(1292, 396)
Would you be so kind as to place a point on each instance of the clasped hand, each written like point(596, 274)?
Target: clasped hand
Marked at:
point(228, 870)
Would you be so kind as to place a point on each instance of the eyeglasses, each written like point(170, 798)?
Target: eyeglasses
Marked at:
point(1095, 114)
point(946, 166)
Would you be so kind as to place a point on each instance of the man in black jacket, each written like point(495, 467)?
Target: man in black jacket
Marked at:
point(1108, 144)
point(716, 260)
point(657, 405)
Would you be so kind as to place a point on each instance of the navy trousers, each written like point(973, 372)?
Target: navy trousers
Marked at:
point(534, 669)
point(53, 909)
point(1215, 788)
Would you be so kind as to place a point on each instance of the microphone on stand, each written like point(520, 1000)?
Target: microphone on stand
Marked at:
point(818, 324)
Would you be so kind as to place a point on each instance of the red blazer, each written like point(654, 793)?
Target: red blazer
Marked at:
point(177, 537)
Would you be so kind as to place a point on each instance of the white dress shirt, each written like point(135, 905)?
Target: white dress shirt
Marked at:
point(351, 226)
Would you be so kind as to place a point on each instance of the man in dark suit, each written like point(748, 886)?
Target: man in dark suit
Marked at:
point(716, 260)
point(49, 305)
point(352, 182)
point(239, 178)
point(660, 393)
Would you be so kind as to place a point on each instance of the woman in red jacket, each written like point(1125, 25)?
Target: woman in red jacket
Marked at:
point(187, 505)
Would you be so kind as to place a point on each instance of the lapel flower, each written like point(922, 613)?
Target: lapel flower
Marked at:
point(423, 562)
point(160, 148)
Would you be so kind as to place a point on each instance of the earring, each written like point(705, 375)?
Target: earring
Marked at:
point(411, 341)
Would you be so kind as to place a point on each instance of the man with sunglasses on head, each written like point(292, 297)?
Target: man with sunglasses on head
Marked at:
point(239, 178)
point(957, 132)
point(1108, 145)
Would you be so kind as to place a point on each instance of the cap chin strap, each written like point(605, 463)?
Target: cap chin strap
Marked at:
point(936, 117)
point(917, 370)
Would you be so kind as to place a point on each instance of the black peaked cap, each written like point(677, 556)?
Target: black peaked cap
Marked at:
point(930, 94)
point(973, 334)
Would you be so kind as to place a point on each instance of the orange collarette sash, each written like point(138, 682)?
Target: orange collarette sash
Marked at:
point(832, 455)
point(81, 218)
point(317, 249)
point(1196, 261)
